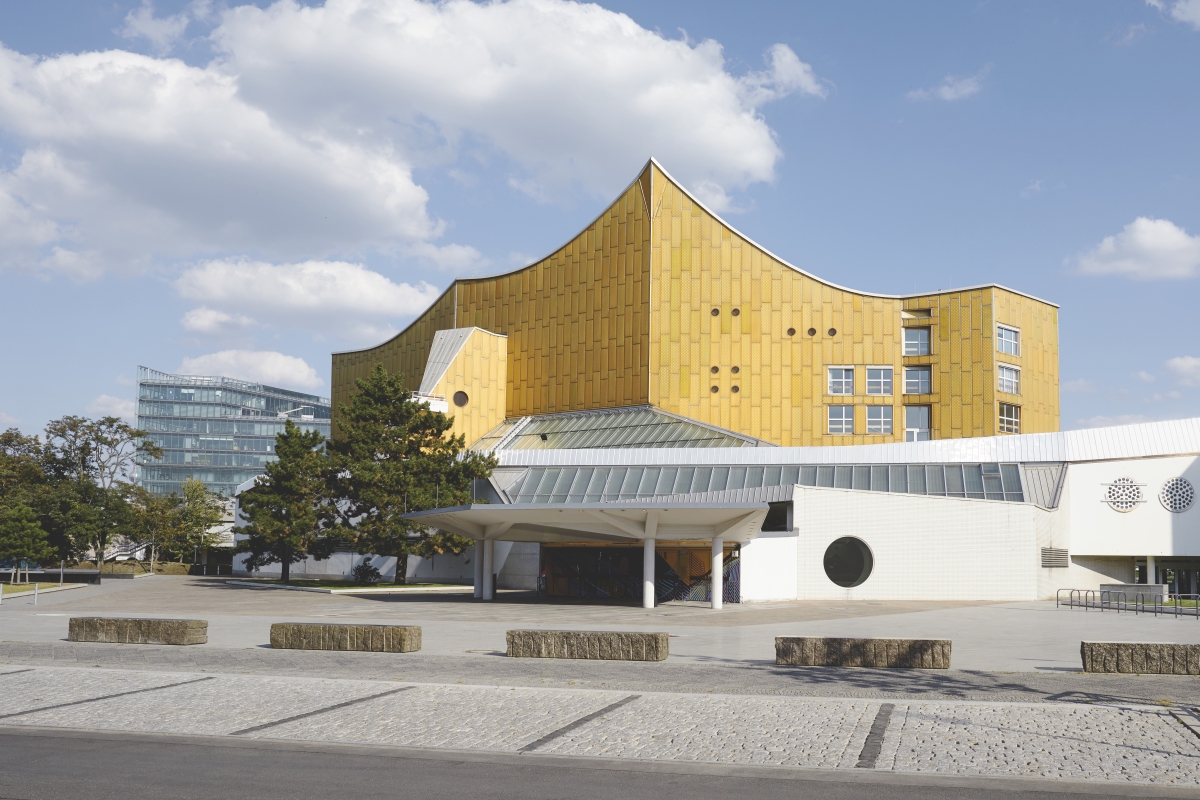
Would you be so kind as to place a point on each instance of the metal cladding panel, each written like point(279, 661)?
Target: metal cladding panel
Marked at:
point(446, 345)
point(1177, 437)
point(637, 427)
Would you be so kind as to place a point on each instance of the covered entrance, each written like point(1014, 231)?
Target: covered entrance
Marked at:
point(686, 550)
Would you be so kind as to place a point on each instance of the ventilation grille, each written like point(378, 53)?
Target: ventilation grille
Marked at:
point(1054, 558)
point(1177, 495)
point(1123, 494)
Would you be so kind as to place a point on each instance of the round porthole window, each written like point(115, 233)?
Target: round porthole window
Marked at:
point(460, 399)
point(734, 389)
point(848, 562)
point(791, 331)
point(736, 311)
point(812, 331)
point(735, 370)
point(714, 390)
point(1177, 495)
point(716, 311)
point(1123, 495)
point(833, 331)
point(715, 370)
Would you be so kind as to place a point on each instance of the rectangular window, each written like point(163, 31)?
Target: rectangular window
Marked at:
point(916, 341)
point(841, 380)
point(1010, 379)
point(1010, 418)
point(1008, 340)
point(916, 423)
point(879, 419)
point(841, 419)
point(918, 380)
point(879, 380)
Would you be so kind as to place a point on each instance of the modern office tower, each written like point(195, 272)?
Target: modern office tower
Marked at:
point(218, 430)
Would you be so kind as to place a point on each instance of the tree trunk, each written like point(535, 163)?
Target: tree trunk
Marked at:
point(286, 565)
point(402, 568)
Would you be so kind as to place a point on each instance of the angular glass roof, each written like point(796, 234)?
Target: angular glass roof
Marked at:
point(612, 484)
point(634, 427)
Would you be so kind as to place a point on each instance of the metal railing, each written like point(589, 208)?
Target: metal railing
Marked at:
point(1177, 605)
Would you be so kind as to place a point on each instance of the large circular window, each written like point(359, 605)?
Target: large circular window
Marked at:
point(1177, 495)
point(1123, 495)
point(460, 399)
point(848, 562)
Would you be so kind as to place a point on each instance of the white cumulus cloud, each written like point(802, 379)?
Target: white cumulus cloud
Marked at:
point(1186, 369)
point(953, 88)
point(1187, 11)
point(1148, 249)
point(8, 420)
point(334, 297)
point(108, 406)
point(299, 139)
point(260, 366)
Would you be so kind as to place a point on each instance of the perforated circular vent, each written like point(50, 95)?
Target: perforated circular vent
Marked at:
point(1177, 495)
point(1123, 494)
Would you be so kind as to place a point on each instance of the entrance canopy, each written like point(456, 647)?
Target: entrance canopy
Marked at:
point(601, 522)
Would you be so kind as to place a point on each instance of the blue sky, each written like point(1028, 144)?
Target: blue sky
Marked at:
point(243, 188)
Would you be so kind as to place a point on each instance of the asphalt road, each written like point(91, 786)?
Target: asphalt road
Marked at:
point(37, 764)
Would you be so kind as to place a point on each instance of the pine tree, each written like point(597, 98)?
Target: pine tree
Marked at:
point(22, 537)
point(284, 508)
point(394, 455)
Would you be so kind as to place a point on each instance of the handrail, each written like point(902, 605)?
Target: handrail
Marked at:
point(1182, 610)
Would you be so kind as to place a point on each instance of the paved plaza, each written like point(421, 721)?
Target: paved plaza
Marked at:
point(718, 700)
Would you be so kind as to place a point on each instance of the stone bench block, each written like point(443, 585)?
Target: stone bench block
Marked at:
point(137, 631)
point(365, 638)
point(818, 651)
point(595, 645)
point(1140, 657)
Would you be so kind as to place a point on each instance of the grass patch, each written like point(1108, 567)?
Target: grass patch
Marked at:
point(10, 588)
point(318, 584)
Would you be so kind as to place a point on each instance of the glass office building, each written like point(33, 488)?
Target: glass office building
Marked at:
point(218, 430)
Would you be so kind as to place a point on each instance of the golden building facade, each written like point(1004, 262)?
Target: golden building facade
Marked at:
point(660, 303)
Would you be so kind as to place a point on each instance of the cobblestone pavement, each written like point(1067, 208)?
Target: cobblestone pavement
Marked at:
point(744, 679)
point(1100, 742)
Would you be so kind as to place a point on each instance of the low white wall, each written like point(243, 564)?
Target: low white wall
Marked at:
point(769, 567)
point(339, 566)
point(924, 548)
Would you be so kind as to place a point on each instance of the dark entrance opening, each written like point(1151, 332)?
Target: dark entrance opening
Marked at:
point(614, 572)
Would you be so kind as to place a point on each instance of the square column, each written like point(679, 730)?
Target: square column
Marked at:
point(489, 550)
point(647, 573)
point(478, 569)
point(718, 571)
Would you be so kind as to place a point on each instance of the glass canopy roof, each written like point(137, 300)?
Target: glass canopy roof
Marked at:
point(639, 426)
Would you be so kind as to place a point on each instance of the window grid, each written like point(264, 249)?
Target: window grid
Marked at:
point(1010, 418)
point(916, 341)
point(918, 380)
point(841, 380)
point(879, 380)
point(1010, 379)
point(879, 419)
point(841, 419)
point(916, 423)
point(1008, 340)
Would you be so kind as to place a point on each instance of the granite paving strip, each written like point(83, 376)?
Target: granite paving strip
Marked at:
point(565, 729)
point(34, 689)
point(218, 706)
point(325, 710)
point(745, 678)
point(874, 742)
point(455, 717)
point(74, 703)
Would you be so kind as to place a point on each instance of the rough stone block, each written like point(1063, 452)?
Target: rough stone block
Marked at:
point(364, 638)
point(817, 651)
point(137, 631)
point(1140, 657)
point(595, 645)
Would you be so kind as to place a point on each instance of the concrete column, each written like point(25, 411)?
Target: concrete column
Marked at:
point(718, 571)
point(647, 573)
point(1151, 574)
point(489, 551)
point(478, 569)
